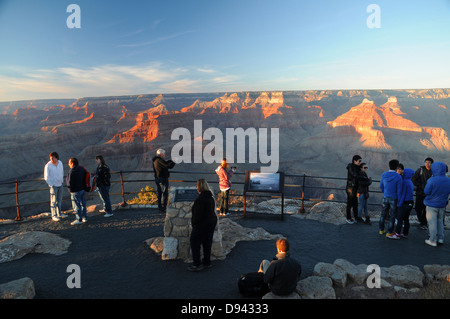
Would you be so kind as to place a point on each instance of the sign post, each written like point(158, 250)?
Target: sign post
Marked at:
point(256, 181)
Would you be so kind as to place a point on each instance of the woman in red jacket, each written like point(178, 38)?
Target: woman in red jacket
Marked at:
point(225, 184)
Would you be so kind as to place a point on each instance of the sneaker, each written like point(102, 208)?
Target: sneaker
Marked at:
point(108, 215)
point(367, 221)
point(389, 234)
point(381, 232)
point(195, 268)
point(84, 219)
point(102, 211)
point(431, 243)
point(403, 235)
point(76, 222)
point(55, 219)
point(394, 236)
point(350, 221)
point(424, 227)
point(63, 216)
point(359, 220)
point(206, 266)
point(440, 241)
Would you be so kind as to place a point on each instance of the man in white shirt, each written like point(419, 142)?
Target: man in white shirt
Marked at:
point(54, 176)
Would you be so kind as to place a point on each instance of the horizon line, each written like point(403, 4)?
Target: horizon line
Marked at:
point(220, 92)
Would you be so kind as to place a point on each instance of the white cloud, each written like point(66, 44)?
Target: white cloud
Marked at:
point(104, 80)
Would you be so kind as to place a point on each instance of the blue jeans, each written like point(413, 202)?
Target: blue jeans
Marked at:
point(56, 194)
point(363, 205)
point(79, 204)
point(389, 205)
point(103, 192)
point(435, 218)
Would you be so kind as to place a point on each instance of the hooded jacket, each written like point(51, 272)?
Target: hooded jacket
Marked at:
point(407, 187)
point(391, 184)
point(437, 189)
point(224, 178)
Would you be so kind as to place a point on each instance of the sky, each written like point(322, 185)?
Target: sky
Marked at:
point(195, 46)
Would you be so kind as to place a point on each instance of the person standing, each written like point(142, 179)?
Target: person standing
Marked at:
point(76, 183)
point(363, 194)
point(225, 185)
point(54, 176)
point(103, 182)
point(391, 186)
point(405, 205)
point(161, 170)
point(204, 221)
point(421, 175)
point(353, 170)
point(436, 193)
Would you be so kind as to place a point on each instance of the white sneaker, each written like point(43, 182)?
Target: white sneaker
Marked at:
point(431, 243)
point(63, 216)
point(76, 222)
point(84, 219)
point(55, 219)
point(108, 215)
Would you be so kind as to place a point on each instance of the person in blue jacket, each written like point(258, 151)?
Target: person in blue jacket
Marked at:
point(437, 191)
point(405, 205)
point(391, 186)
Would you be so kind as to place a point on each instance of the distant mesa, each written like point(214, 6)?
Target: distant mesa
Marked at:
point(369, 120)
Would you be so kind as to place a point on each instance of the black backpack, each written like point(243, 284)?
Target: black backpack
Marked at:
point(252, 285)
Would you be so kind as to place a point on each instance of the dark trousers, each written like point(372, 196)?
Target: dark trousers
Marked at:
point(162, 187)
point(352, 202)
point(224, 202)
point(403, 218)
point(202, 236)
point(421, 210)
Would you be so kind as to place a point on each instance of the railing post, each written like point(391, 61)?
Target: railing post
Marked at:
point(18, 217)
point(302, 209)
point(123, 204)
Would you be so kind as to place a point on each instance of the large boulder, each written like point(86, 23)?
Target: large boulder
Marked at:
point(336, 274)
point(18, 289)
point(315, 287)
point(18, 245)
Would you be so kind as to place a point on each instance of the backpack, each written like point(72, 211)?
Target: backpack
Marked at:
point(89, 181)
point(252, 284)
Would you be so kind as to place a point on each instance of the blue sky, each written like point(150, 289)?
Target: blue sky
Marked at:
point(186, 46)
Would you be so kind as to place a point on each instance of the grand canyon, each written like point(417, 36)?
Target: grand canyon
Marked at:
point(319, 131)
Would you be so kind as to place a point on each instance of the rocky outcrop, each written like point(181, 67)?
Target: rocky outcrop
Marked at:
point(342, 279)
point(231, 233)
point(18, 245)
point(18, 289)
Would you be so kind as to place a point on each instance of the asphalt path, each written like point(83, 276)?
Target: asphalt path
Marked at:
point(115, 262)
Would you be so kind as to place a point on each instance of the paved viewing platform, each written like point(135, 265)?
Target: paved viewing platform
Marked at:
point(115, 261)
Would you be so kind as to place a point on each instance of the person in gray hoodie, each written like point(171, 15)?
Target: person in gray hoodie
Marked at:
point(437, 191)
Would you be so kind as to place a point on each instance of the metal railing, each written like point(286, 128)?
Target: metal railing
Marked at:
point(295, 187)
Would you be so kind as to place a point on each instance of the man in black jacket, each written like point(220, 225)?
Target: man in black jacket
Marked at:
point(421, 175)
point(76, 180)
point(161, 170)
point(283, 273)
point(353, 170)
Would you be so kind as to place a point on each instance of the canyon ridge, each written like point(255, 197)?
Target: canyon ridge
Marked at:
point(319, 131)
